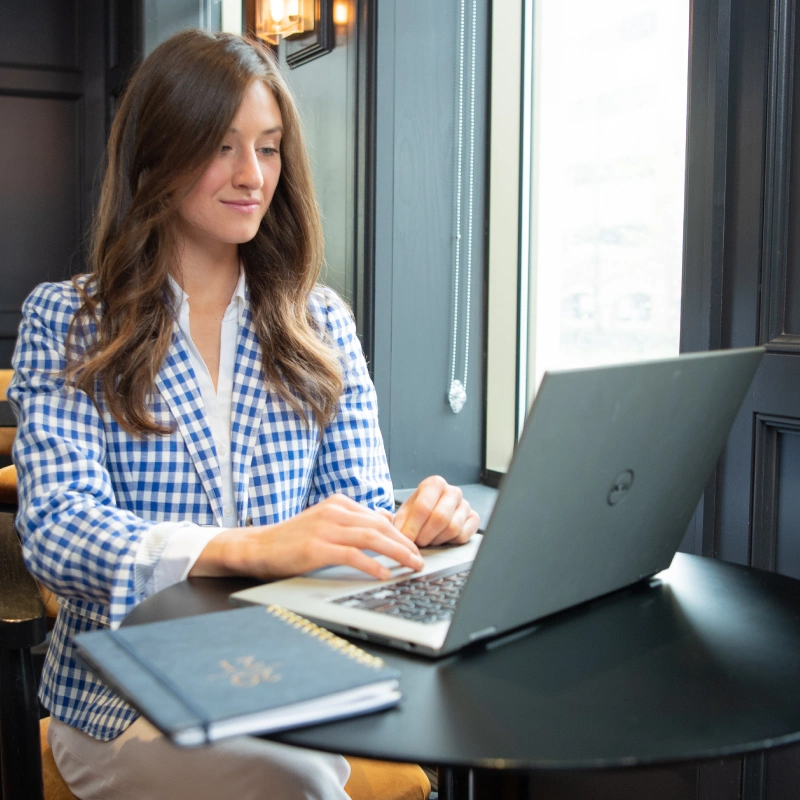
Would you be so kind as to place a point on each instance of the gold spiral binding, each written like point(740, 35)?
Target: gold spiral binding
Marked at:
point(324, 635)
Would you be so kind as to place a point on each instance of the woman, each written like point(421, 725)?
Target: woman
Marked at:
point(198, 405)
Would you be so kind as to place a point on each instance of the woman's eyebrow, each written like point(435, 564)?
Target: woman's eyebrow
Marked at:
point(267, 132)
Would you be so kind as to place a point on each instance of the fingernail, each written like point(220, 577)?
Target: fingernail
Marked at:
point(419, 562)
point(385, 574)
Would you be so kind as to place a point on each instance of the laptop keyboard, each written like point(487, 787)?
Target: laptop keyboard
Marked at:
point(425, 598)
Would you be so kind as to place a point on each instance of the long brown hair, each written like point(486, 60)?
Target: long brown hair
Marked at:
point(174, 114)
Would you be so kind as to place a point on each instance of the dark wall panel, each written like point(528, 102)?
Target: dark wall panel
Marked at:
point(743, 288)
point(324, 92)
point(653, 783)
point(788, 505)
point(39, 33)
point(791, 299)
point(415, 235)
point(741, 253)
point(163, 18)
point(52, 136)
point(783, 770)
point(40, 205)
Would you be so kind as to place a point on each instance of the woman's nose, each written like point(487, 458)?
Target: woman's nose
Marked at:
point(248, 171)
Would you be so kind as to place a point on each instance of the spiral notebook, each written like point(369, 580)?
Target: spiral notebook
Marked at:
point(252, 670)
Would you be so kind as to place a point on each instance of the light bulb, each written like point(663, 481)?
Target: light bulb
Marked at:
point(340, 13)
point(276, 10)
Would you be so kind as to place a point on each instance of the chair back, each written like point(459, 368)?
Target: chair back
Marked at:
point(8, 424)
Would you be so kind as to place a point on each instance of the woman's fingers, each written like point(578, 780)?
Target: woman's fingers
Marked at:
point(385, 545)
point(446, 519)
point(471, 523)
point(416, 511)
point(436, 513)
point(401, 516)
point(444, 532)
point(336, 531)
point(375, 529)
point(358, 559)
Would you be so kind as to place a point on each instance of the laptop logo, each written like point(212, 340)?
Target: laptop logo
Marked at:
point(620, 488)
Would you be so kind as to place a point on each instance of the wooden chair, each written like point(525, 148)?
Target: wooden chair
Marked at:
point(7, 422)
point(8, 474)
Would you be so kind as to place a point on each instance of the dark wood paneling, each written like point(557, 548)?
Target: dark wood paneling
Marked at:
point(745, 292)
point(719, 780)
point(777, 387)
point(787, 560)
point(706, 175)
point(40, 83)
point(654, 783)
point(52, 135)
point(326, 97)
point(776, 505)
point(125, 27)
point(384, 203)
point(782, 774)
point(422, 236)
point(363, 252)
point(163, 18)
point(789, 291)
point(793, 289)
point(337, 97)
point(379, 116)
point(739, 266)
point(764, 540)
point(778, 167)
point(40, 33)
point(417, 67)
point(40, 204)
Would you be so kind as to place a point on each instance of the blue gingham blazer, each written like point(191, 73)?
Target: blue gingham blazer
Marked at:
point(88, 490)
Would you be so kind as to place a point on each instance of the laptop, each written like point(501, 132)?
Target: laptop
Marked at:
point(603, 484)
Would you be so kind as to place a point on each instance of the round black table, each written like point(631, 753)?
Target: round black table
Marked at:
point(702, 662)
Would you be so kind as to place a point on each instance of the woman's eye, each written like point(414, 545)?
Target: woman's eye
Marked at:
point(225, 148)
point(269, 151)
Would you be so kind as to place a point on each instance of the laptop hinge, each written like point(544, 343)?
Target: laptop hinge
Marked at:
point(485, 633)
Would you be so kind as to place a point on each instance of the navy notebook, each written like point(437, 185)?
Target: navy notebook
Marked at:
point(252, 670)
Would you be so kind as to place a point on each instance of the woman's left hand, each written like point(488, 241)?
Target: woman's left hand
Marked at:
point(436, 513)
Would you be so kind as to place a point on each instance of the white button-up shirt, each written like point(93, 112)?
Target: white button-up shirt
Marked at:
point(170, 549)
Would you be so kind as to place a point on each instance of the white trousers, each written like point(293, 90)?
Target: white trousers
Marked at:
point(142, 764)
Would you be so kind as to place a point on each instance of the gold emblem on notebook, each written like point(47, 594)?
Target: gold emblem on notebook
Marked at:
point(246, 672)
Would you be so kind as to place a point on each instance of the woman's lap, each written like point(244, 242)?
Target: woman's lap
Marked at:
point(142, 763)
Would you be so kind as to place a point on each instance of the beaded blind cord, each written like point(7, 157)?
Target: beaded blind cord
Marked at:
point(457, 394)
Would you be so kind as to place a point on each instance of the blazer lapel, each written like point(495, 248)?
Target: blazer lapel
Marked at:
point(247, 408)
point(178, 386)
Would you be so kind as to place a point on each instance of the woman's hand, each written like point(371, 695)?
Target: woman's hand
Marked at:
point(335, 531)
point(436, 513)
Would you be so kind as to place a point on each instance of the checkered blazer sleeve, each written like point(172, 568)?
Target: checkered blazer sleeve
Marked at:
point(76, 539)
point(351, 459)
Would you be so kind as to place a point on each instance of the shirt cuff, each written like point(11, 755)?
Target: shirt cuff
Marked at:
point(166, 554)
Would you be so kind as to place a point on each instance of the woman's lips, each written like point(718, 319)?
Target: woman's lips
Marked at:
point(242, 206)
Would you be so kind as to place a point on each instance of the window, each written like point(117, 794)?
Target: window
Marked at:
point(600, 187)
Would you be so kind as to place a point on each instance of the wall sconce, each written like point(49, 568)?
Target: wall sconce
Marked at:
point(276, 18)
point(306, 25)
point(340, 12)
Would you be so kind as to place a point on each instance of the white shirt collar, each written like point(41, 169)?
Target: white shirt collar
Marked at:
point(183, 299)
point(239, 292)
